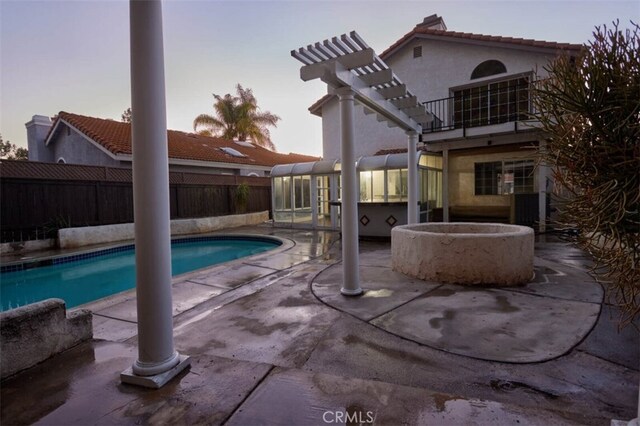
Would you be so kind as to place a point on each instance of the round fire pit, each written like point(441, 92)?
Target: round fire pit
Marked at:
point(464, 253)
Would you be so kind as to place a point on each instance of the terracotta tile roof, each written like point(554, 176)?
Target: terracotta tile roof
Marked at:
point(315, 108)
point(115, 136)
point(480, 37)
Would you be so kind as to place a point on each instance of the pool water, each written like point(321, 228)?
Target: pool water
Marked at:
point(81, 281)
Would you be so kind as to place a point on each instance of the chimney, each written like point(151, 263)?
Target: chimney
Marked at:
point(37, 130)
point(433, 22)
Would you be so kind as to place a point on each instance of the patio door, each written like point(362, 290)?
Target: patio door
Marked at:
point(302, 201)
point(327, 191)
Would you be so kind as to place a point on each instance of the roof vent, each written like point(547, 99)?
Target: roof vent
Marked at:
point(433, 22)
point(245, 143)
point(233, 152)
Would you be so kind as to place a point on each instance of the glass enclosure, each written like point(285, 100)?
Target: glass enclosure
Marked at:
point(308, 194)
point(430, 176)
point(303, 194)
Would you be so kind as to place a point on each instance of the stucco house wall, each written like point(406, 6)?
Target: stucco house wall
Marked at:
point(442, 66)
point(370, 135)
point(446, 64)
point(71, 147)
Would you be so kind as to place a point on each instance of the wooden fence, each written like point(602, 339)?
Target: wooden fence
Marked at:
point(36, 199)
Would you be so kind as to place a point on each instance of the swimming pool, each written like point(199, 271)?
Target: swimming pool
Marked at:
point(85, 277)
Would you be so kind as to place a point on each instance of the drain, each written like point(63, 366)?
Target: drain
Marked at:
point(509, 386)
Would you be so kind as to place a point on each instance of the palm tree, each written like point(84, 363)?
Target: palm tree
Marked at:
point(237, 117)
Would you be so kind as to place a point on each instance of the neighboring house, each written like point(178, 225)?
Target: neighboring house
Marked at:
point(77, 139)
point(481, 145)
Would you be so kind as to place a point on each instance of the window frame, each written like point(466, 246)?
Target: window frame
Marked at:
point(527, 187)
point(487, 114)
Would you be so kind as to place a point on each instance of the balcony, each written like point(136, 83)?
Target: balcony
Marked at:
point(485, 109)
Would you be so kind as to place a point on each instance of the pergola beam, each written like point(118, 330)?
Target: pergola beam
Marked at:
point(407, 102)
point(377, 78)
point(370, 97)
point(393, 91)
point(350, 61)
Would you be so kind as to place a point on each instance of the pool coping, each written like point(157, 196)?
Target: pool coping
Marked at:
point(116, 298)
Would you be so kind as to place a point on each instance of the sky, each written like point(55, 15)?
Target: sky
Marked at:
point(74, 55)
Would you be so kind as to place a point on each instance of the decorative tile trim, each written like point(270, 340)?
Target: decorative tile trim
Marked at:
point(127, 247)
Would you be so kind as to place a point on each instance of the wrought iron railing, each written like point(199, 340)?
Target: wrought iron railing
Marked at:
point(495, 103)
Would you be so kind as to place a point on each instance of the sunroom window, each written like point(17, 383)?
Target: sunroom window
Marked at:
point(372, 186)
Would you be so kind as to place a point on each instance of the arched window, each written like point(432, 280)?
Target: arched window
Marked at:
point(61, 161)
point(488, 68)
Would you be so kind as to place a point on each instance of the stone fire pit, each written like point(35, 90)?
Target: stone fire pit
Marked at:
point(464, 253)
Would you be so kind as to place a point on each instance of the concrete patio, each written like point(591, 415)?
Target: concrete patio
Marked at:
point(273, 342)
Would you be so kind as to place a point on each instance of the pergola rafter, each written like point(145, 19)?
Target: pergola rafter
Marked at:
point(347, 61)
point(353, 72)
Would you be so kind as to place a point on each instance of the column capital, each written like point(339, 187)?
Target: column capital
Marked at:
point(346, 93)
point(411, 133)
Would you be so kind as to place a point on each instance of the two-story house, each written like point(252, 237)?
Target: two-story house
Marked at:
point(478, 157)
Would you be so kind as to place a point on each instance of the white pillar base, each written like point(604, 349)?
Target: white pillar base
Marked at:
point(158, 380)
point(151, 369)
point(351, 292)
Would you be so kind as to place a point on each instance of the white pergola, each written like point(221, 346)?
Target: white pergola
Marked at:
point(353, 72)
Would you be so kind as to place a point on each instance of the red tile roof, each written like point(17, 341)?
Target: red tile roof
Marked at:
point(315, 108)
point(417, 31)
point(115, 136)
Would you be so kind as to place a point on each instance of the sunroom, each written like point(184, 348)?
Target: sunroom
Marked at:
point(308, 194)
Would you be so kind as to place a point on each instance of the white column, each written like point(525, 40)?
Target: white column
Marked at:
point(445, 185)
point(349, 207)
point(412, 176)
point(156, 353)
point(313, 186)
point(543, 175)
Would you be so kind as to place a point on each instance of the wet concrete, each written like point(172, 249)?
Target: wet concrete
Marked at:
point(185, 294)
point(229, 277)
point(266, 350)
point(536, 322)
point(608, 341)
point(494, 325)
point(82, 386)
point(576, 384)
point(381, 291)
point(282, 334)
point(302, 398)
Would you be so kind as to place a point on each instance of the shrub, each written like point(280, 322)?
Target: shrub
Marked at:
point(590, 108)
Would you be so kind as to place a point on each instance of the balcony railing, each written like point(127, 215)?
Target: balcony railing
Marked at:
point(496, 103)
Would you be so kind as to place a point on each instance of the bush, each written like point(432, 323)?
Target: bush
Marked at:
point(590, 109)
